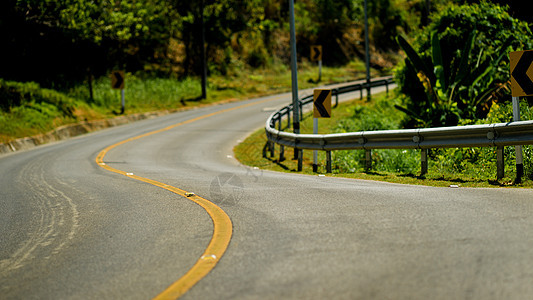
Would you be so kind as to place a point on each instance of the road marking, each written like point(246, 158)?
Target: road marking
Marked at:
point(222, 226)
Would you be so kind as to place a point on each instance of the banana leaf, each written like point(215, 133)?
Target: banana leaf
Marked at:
point(441, 83)
point(463, 69)
point(492, 64)
point(415, 59)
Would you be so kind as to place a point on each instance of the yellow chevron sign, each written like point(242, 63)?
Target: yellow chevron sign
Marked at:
point(117, 80)
point(316, 53)
point(322, 104)
point(521, 73)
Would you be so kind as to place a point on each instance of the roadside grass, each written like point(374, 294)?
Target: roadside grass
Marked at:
point(452, 167)
point(147, 94)
point(27, 109)
point(144, 94)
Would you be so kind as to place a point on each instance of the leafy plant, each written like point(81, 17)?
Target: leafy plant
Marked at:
point(465, 85)
point(15, 94)
point(450, 77)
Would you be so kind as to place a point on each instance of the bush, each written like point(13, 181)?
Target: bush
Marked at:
point(481, 162)
point(30, 94)
point(443, 47)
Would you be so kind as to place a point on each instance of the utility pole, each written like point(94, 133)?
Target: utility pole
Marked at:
point(202, 50)
point(367, 54)
point(294, 78)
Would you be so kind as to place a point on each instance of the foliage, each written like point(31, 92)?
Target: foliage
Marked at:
point(481, 162)
point(26, 108)
point(16, 94)
point(453, 77)
point(468, 85)
point(63, 42)
point(379, 115)
point(122, 21)
point(325, 22)
point(388, 19)
point(221, 19)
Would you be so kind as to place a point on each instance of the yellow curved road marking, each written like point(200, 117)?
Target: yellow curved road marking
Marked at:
point(222, 226)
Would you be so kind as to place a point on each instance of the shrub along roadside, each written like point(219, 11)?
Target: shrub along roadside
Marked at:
point(26, 109)
point(458, 66)
point(467, 167)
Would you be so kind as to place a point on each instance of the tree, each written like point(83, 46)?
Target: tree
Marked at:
point(69, 36)
point(222, 19)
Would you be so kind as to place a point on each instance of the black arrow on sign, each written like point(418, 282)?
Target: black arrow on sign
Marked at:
point(119, 81)
point(316, 53)
point(520, 72)
point(319, 103)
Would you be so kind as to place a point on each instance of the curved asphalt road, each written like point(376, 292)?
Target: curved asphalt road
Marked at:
point(71, 230)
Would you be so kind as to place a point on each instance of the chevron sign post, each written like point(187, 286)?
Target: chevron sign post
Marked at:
point(321, 109)
point(118, 83)
point(521, 85)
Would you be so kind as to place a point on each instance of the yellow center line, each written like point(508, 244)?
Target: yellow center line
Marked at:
point(222, 226)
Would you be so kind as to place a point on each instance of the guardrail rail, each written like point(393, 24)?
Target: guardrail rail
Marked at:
point(488, 135)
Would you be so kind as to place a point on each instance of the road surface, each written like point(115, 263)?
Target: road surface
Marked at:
point(70, 229)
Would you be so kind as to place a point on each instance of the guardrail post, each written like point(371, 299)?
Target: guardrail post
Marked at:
point(281, 153)
point(368, 159)
point(300, 159)
point(500, 166)
point(423, 162)
point(336, 98)
point(296, 117)
point(328, 161)
point(289, 119)
point(361, 93)
point(265, 149)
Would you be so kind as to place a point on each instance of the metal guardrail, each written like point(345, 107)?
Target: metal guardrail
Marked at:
point(286, 111)
point(489, 135)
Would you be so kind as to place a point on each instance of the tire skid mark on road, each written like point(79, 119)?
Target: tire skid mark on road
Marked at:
point(54, 215)
point(222, 225)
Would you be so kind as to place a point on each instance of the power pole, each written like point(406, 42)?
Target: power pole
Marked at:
point(202, 50)
point(367, 54)
point(294, 78)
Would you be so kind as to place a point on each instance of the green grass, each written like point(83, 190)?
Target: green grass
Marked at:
point(145, 94)
point(465, 167)
point(148, 94)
